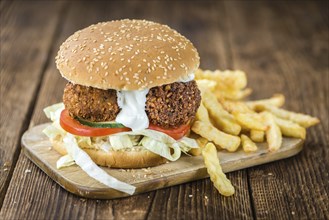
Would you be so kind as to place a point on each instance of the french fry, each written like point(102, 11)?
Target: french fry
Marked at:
point(206, 84)
point(235, 106)
point(202, 114)
point(222, 184)
point(202, 143)
point(228, 79)
point(247, 144)
point(251, 121)
point(235, 79)
point(257, 136)
point(222, 118)
point(301, 119)
point(273, 133)
point(195, 151)
point(233, 94)
point(290, 129)
point(208, 131)
point(259, 105)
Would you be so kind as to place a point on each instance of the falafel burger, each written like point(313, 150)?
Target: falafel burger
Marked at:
point(130, 98)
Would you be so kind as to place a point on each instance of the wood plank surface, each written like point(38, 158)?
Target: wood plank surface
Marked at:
point(149, 204)
point(208, 31)
point(283, 46)
point(24, 53)
point(287, 56)
point(51, 91)
point(38, 149)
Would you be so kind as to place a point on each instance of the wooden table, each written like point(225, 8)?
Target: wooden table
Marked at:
point(283, 46)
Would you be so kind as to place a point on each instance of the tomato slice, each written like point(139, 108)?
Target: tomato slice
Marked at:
point(74, 127)
point(176, 133)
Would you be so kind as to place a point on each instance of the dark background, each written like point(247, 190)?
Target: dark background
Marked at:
point(281, 45)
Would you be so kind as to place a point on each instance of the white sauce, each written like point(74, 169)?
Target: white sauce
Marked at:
point(132, 114)
point(187, 78)
point(132, 104)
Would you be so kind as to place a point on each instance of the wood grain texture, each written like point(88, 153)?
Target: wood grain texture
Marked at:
point(38, 149)
point(22, 62)
point(149, 204)
point(287, 56)
point(208, 31)
point(283, 48)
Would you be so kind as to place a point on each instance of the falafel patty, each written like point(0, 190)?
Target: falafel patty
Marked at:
point(91, 103)
point(173, 105)
point(167, 106)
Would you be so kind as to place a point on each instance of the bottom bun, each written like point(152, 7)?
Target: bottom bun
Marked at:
point(117, 159)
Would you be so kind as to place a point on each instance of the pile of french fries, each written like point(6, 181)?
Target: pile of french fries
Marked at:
point(225, 121)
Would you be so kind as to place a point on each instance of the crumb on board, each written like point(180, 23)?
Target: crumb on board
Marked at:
point(206, 200)
point(27, 171)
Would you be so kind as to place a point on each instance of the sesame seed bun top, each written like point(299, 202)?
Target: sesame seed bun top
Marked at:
point(126, 55)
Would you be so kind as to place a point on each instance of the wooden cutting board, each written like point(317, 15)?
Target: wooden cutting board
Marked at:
point(38, 149)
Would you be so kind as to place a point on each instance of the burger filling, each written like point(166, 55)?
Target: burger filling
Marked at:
point(156, 120)
point(148, 139)
point(168, 106)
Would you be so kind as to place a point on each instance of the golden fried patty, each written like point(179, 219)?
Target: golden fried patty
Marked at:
point(167, 106)
point(90, 103)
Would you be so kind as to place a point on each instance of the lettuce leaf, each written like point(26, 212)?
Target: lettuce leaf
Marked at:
point(186, 144)
point(52, 131)
point(161, 148)
point(120, 142)
point(154, 141)
point(64, 161)
point(105, 146)
point(162, 144)
point(53, 112)
point(83, 160)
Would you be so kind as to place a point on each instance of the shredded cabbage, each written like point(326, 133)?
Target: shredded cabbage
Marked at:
point(53, 112)
point(65, 161)
point(52, 131)
point(160, 143)
point(120, 142)
point(186, 144)
point(154, 141)
point(83, 160)
point(161, 148)
point(105, 146)
point(83, 142)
